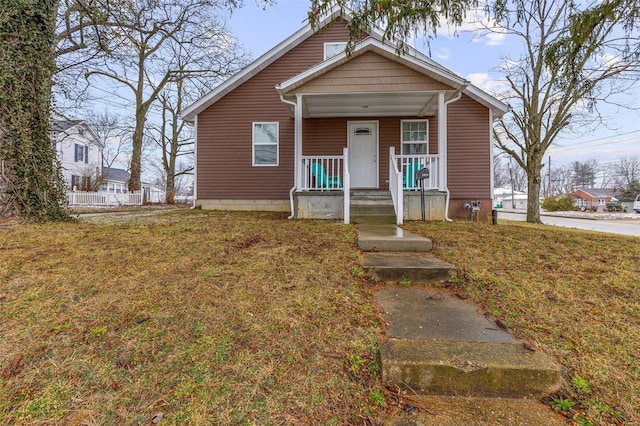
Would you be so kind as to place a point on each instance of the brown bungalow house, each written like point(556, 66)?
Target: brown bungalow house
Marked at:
point(305, 127)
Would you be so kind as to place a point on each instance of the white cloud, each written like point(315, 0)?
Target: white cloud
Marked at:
point(484, 29)
point(443, 54)
point(487, 83)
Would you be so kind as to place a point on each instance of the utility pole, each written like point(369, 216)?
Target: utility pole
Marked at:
point(550, 194)
point(513, 197)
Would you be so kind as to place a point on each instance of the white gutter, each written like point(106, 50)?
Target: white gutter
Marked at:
point(295, 157)
point(444, 159)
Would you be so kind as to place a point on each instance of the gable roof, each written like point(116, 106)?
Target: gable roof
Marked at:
point(190, 113)
point(111, 173)
point(597, 192)
point(62, 126)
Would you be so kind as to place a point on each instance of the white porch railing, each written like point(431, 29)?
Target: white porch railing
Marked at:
point(410, 164)
point(327, 173)
point(81, 198)
point(402, 171)
point(322, 173)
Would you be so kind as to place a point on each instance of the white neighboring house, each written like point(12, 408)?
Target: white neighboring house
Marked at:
point(79, 152)
point(505, 198)
point(114, 181)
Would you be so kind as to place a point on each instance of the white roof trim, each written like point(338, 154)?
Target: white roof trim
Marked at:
point(94, 139)
point(372, 44)
point(414, 55)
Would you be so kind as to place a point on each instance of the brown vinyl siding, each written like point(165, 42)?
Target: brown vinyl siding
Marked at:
point(224, 166)
point(469, 150)
point(371, 70)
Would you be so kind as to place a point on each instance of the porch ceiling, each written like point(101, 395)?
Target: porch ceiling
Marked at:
point(412, 104)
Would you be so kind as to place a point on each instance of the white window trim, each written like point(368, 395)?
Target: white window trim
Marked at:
point(403, 142)
point(253, 143)
point(343, 43)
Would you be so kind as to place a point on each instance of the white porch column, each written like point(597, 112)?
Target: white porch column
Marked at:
point(298, 142)
point(442, 142)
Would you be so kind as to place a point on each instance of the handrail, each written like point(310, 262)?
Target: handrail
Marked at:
point(346, 184)
point(395, 186)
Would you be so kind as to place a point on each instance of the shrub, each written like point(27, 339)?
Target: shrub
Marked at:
point(558, 204)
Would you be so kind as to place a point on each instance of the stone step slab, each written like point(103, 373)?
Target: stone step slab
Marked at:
point(415, 267)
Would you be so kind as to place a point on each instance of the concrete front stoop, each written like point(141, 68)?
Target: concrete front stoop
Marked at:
point(372, 207)
point(446, 351)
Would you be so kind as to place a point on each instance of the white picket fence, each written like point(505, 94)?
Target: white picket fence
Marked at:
point(109, 199)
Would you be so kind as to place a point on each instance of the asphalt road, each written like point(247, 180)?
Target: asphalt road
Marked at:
point(623, 227)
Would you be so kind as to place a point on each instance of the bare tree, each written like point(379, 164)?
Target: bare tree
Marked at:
point(140, 37)
point(173, 136)
point(627, 171)
point(501, 173)
point(607, 174)
point(575, 54)
point(562, 180)
point(114, 133)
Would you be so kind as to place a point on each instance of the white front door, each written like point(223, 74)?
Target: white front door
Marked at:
point(363, 153)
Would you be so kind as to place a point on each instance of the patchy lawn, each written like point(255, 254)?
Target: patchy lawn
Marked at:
point(239, 318)
point(191, 317)
point(575, 294)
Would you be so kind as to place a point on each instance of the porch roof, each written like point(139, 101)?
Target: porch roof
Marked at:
point(390, 85)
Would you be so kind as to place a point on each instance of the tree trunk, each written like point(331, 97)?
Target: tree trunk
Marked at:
point(136, 154)
point(171, 189)
point(34, 186)
point(533, 196)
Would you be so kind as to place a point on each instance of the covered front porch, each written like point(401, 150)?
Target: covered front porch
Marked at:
point(370, 121)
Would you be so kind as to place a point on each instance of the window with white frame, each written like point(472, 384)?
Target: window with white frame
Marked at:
point(81, 154)
point(265, 144)
point(414, 137)
point(333, 49)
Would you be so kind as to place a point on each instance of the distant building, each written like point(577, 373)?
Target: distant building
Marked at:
point(114, 180)
point(80, 154)
point(592, 198)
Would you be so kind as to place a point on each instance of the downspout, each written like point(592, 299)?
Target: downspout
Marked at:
point(444, 162)
point(195, 164)
point(295, 158)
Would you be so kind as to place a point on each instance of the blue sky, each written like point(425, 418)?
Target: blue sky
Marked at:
point(259, 29)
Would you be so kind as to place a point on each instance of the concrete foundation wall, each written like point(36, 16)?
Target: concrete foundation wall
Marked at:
point(245, 205)
point(434, 202)
point(319, 205)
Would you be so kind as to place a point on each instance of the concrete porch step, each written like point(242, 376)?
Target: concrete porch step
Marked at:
point(396, 266)
point(442, 345)
point(371, 198)
point(373, 219)
point(386, 238)
point(377, 209)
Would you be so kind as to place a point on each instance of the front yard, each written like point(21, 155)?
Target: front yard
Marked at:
point(575, 294)
point(207, 318)
point(198, 317)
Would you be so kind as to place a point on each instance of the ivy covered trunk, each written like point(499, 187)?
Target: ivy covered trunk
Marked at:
point(31, 185)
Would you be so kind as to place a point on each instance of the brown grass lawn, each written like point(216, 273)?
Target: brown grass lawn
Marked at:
point(207, 318)
point(575, 294)
point(240, 318)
